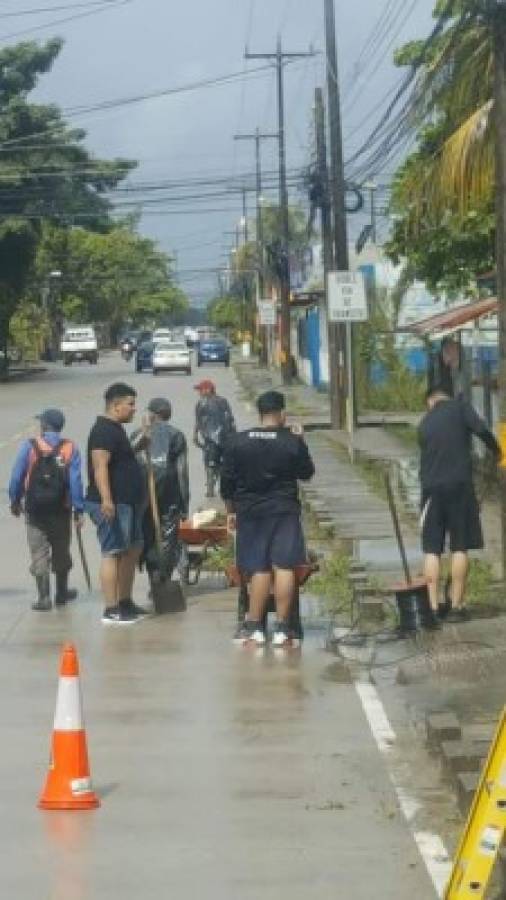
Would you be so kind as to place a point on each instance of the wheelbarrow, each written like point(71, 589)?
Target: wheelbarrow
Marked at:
point(197, 542)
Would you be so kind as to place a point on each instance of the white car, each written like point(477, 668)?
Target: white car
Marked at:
point(171, 356)
point(79, 343)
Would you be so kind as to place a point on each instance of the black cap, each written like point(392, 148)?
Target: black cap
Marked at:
point(52, 420)
point(271, 402)
point(159, 406)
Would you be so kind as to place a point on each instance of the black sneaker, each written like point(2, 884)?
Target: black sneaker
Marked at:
point(459, 615)
point(114, 615)
point(130, 607)
point(250, 633)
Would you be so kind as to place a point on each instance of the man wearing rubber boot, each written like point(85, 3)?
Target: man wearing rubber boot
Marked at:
point(165, 447)
point(46, 479)
point(260, 472)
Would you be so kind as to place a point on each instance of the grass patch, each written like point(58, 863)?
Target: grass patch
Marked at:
point(332, 583)
point(219, 559)
point(405, 434)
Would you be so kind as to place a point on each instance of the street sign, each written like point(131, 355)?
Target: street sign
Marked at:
point(267, 312)
point(347, 297)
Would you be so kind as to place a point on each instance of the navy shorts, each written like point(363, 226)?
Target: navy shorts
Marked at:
point(123, 533)
point(264, 543)
point(451, 511)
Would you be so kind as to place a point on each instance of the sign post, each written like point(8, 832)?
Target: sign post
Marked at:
point(267, 312)
point(347, 303)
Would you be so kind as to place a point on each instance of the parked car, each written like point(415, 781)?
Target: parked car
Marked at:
point(213, 350)
point(171, 356)
point(144, 356)
point(79, 343)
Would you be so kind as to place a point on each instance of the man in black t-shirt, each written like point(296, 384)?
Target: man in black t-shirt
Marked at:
point(116, 501)
point(261, 468)
point(449, 504)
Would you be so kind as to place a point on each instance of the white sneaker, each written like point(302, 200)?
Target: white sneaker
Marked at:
point(282, 637)
point(250, 633)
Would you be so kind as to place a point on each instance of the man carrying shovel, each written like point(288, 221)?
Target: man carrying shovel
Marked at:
point(163, 454)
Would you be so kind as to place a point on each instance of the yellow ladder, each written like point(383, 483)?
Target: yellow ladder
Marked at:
point(484, 831)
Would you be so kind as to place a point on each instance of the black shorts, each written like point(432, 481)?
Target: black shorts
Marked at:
point(452, 511)
point(269, 542)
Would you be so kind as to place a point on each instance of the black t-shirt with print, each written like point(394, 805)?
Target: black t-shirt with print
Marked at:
point(125, 473)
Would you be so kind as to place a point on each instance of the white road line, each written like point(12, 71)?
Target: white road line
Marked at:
point(430, 846)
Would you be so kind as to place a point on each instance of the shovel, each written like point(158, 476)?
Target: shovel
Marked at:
point(82, 554)
point(167, 594)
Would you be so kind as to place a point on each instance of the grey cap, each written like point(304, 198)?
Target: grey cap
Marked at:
point(159, 406)
point(52, 419)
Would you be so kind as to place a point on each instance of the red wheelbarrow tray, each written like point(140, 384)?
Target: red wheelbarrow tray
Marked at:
point(207, 534)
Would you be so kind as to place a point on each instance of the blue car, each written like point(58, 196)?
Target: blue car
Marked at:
point(144, 357)
point(213, 350)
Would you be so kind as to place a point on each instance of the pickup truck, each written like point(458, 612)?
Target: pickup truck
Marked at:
point(79, 344)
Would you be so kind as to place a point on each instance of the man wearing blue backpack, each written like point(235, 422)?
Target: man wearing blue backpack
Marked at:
point(46, 483)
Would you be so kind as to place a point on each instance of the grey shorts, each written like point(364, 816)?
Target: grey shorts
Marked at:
point(121, 534)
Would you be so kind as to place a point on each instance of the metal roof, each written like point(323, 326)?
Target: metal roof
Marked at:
point(453, 319)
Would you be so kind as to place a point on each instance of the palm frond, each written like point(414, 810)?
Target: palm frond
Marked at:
point(463, 171)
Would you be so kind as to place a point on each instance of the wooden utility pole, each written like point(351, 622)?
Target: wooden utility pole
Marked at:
point(279, 58)
point(337, 341)
point(499, 32)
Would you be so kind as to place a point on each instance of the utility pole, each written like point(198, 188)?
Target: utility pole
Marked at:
point(258, 137)
point(499, 34)
point(323, 178)
point(284, 262)
point(339, 339)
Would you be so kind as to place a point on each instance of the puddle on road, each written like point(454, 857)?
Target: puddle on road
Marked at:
point(337, 673)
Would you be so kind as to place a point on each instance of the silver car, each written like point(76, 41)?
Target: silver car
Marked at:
point(171, 356)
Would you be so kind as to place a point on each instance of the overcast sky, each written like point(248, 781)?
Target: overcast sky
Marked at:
point(146, 45)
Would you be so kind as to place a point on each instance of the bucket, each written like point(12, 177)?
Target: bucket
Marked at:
point(415, 611)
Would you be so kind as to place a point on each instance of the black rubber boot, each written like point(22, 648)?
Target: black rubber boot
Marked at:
point(63, 593)
point(43, 602)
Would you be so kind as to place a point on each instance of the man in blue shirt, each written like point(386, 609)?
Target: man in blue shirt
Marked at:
point(46, 483)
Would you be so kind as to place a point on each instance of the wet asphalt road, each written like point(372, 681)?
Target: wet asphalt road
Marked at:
point(223, 774)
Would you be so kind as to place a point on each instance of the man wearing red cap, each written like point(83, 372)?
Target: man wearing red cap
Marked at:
point(214, 423)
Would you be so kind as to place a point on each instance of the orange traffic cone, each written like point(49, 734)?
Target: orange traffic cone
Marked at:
point(68, 784)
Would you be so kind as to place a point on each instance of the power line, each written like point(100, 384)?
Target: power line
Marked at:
point(113, 4)
point(44, 9)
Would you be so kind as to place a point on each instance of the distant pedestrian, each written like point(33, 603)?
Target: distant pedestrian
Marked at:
point(214, 424)
point(449, 504)
point(163, 447)
point(260, 472)
point(116, 501)
point(46, 483)
point(446, 368)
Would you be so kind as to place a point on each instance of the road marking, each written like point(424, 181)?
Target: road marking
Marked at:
point(430, 845)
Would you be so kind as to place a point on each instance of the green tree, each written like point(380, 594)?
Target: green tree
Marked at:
point(45, 171)
point(225, 313)
point(113, 277)
point(443, 194)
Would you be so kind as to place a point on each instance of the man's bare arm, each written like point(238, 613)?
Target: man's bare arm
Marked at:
point(100, 462)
